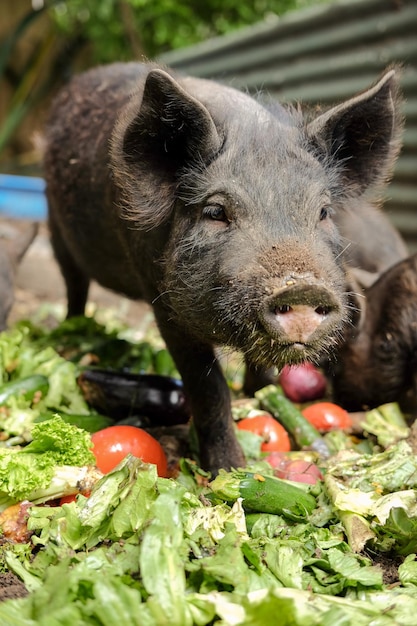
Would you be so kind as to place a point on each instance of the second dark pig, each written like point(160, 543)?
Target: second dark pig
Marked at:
point(377, 361)
point(222, 212)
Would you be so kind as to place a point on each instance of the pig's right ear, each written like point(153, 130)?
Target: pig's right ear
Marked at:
point(168, 130)
point(362, 135)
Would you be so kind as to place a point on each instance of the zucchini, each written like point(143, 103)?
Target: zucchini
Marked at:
point(26, 387)
point(273, 400)
point(120, 395)
point(265, 494)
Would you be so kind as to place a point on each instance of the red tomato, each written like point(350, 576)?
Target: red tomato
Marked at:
point(274, 435)
point(71, 498)
point(327, 416)
point(299, 471)
point(67, 499)
point(112, 444)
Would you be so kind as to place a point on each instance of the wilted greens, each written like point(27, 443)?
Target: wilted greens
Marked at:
point(237, 550)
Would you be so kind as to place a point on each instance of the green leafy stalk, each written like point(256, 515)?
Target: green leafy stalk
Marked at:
point(357, 528)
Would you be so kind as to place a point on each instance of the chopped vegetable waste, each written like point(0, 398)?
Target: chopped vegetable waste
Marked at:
point(237, 549)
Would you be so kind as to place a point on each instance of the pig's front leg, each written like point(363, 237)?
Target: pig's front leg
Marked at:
point(209, 398)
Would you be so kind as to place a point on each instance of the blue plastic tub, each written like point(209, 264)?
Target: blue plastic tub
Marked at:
point(22, 197)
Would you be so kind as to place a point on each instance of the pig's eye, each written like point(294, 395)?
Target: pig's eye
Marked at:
point(215, 212)
point(325, 212)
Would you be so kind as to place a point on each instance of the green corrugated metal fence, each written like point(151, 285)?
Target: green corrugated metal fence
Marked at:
point(321, 55)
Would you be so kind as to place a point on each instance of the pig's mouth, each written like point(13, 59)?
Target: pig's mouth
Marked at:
point(298, 352)
point(268, 351)
point(296, 346)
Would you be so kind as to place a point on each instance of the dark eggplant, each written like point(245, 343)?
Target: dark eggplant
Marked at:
point(121, 395)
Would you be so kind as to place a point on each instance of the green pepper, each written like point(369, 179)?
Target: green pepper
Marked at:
point(90, 423)
point(26, 387)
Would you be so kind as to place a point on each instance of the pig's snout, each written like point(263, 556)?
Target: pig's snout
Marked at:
point(300, 313)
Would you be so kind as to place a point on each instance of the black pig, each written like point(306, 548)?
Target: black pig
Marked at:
point(221, 212)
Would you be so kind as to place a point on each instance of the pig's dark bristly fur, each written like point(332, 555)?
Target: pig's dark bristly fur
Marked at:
point(228, 216)
point(377, 362)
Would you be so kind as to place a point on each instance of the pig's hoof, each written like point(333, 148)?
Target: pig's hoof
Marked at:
point(227, 459)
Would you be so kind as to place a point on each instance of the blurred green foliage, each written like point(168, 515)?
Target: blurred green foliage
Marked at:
point(122, 29)
point(79, 33)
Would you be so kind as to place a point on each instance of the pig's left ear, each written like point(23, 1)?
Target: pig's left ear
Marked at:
point(170, 124)
point(362, 135)
point(155, 139)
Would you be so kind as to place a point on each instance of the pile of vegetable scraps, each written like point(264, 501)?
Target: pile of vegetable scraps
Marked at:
point(319, 528)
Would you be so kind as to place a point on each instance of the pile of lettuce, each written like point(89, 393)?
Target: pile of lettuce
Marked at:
point(28, 352)
point(148, 551)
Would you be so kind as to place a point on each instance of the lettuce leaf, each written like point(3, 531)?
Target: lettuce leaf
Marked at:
point(32, 468)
